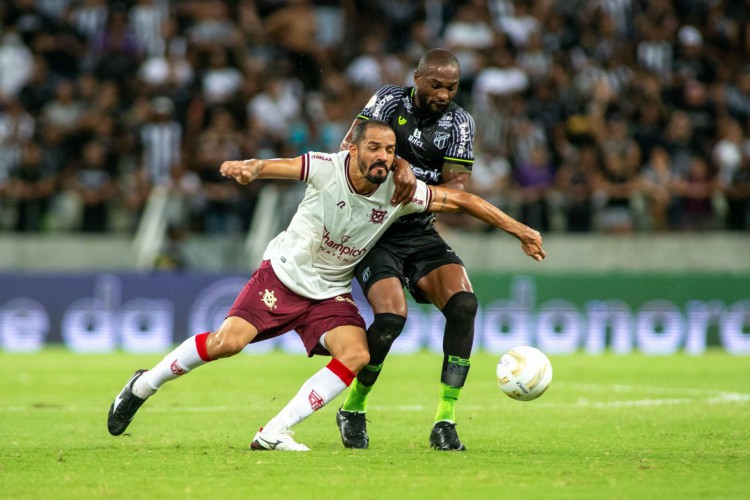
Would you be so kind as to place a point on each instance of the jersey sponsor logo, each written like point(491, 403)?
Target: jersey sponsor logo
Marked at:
point(372, 101)
point(401, 120)
point(441, 139)
point(406, 101)
point(366, 274)
point(463, 138)
point(416, 139)
point(341, 204)
point(268, 298)
point(320, 157)
point(426, 175)
point(339, 249)
point(378, 216)
point(316, 402)
point(445, 121)
point(378, 110)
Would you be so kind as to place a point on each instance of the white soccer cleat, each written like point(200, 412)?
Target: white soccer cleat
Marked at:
point(279, 440)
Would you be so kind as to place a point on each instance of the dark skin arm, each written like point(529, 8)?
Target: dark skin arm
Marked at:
point(348, 139)
point(452, 200)
point(455, 176)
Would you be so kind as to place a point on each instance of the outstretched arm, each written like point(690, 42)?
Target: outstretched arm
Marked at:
point(451, 200)
point(246, 171)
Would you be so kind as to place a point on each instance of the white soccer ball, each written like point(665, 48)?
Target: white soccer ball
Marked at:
point(524, 373)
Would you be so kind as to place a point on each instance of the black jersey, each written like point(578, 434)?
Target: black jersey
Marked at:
point(426, 142)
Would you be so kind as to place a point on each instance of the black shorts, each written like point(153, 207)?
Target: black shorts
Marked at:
point(407, 253)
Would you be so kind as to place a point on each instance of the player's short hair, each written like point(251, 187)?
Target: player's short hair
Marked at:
point(360, 130)
point(436, 58)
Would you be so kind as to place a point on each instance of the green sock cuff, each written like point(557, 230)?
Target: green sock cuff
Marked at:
point(356, 400)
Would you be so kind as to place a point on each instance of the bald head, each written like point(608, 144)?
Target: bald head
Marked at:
point(436, 58)
point(436, 81)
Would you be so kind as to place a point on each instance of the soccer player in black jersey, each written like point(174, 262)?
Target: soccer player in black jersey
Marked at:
point(435, 136)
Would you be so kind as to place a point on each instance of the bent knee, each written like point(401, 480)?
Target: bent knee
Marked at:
point(461, 307)
point(225, 343)
point(355, 359)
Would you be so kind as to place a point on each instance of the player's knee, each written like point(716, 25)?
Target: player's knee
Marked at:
point(355, 358)
point(225, 343)
point(461, 308)
point(385, 328)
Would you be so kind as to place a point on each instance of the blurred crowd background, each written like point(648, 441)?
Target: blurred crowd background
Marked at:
point(605, 116)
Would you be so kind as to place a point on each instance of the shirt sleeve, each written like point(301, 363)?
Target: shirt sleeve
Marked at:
point(382, 104)
point(421, 200)
point(461, 148)
point(317, 169)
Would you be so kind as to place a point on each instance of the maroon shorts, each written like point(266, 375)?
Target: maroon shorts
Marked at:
point(274, 310)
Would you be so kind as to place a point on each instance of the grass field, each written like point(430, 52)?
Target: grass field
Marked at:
point(609, 427)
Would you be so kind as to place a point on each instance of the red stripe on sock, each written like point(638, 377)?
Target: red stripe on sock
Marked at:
point(200, 344)
point(341, 371)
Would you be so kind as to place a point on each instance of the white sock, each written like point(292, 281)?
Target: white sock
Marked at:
point(315, 393)
point(185, 357)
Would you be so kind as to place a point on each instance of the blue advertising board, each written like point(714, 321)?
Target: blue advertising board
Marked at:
point(148, 313)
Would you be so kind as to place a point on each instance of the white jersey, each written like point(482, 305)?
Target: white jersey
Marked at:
point(334, 227)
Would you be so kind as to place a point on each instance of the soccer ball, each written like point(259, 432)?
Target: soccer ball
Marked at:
point(524, 373)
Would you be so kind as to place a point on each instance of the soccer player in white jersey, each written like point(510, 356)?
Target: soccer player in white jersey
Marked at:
point(304, 282)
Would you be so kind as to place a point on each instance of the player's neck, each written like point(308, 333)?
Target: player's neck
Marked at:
point(360, 183)
point(423, 115)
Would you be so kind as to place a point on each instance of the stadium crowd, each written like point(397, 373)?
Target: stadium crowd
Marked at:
point(592, 115)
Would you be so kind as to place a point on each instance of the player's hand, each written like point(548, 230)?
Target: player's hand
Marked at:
point(238, 170)
point(406, 182)
point(531, 242)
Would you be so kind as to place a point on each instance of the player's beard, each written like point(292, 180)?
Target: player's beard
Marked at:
point(367, 171)
point(430, 108)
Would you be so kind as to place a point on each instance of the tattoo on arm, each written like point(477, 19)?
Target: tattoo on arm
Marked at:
point(443, 201)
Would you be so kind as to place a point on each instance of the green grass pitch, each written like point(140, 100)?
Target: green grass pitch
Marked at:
point(609, 427)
